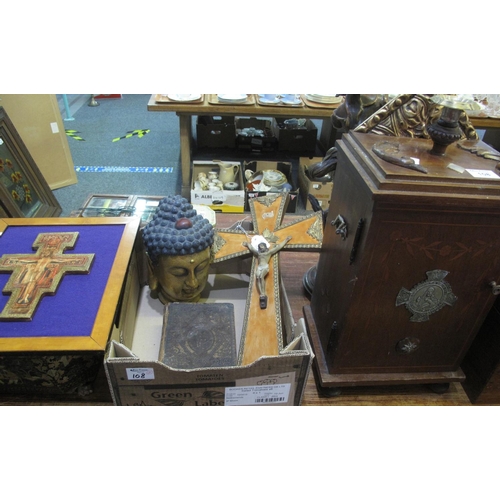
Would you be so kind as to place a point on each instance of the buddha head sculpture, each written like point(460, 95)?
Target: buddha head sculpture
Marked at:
point(178, 245)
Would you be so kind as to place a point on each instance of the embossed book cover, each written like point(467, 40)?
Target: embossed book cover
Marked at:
point(198, 335)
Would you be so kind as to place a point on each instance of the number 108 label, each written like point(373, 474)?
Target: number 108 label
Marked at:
point(140, 374)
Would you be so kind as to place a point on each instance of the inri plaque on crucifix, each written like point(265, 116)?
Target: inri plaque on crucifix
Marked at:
point(39, 274)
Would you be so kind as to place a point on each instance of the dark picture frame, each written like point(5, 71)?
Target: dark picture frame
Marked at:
point(23, 190)
point(116, 205)
point(107, 205)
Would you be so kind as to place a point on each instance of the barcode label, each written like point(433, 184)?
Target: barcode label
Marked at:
point(257, 395)
point(270, 400)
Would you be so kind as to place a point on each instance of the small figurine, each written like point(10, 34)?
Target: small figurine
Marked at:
point(178, 245)
point(263, 253)
point(203, 180)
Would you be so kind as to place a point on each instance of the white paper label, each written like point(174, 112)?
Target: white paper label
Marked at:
point(218, 196)
point(140, 374)
point(483, 174)
point(457, 168)
point(257, 395)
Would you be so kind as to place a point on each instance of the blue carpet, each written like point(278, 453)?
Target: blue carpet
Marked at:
point(116, 146)
point(121, 170)
point(122, 132)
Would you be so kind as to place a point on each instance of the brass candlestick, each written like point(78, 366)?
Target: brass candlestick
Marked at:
point(446, 130)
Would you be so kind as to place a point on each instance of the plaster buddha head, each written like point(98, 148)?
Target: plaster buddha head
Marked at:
point(178, 244)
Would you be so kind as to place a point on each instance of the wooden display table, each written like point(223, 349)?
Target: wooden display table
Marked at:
point(206, 107)
point(185, 111)
point(485, 123)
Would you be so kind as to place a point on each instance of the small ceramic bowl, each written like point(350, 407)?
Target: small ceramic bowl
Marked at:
point(274, 178)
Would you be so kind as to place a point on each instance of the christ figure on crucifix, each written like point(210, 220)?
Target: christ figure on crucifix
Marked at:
point(263, 253)
point(38, 273)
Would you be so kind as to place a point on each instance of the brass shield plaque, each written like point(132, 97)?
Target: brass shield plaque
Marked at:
point(427, 297)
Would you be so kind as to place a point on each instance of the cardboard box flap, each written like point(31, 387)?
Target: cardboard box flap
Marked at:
point(287, 316)
point(300, 344)
point(118, 350)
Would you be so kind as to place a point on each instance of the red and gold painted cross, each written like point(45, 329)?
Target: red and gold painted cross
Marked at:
point(39, 274)
point(262, 328)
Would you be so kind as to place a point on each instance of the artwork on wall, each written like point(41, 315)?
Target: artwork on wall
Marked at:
point(23, 190)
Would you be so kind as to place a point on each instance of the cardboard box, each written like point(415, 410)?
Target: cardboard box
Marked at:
point(301, 139)
point(264, 142)
point(60, 351)
point(282, 166)
point(220, 201)
point(136, 377)
point(216, 132)
point(322, 191)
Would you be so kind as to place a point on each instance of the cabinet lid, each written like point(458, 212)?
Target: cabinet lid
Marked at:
point(79, 313)
point(458, 173)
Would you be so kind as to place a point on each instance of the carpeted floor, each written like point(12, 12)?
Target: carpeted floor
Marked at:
point(119, 147)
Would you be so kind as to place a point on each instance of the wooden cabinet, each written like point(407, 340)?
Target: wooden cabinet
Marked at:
point(403, 279)
point(481, 364)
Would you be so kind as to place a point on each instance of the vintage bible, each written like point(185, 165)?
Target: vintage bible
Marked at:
point(198, 335)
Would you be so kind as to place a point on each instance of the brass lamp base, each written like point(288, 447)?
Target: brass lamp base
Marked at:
point(445, 131)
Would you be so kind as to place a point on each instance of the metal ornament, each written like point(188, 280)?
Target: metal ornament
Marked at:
point(407, 345)
point(427, 297)
point(482, 152)
point(390, 152)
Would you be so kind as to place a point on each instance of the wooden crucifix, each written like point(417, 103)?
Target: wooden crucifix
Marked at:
point(262, 329)
point(39, 274)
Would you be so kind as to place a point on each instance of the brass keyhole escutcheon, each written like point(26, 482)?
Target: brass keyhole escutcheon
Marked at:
point(495, 289)
point(341, 226)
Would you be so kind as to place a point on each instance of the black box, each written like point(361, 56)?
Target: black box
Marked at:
point(303, 138)
point(216, 132)
point(282, 166)
point(263, 138)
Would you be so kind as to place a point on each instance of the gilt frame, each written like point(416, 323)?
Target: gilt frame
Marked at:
point(23, 190)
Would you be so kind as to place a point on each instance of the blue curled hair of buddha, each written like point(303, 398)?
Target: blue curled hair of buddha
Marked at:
point(176, 229)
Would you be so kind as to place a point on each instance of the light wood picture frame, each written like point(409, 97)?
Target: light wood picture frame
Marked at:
point(23, 189)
